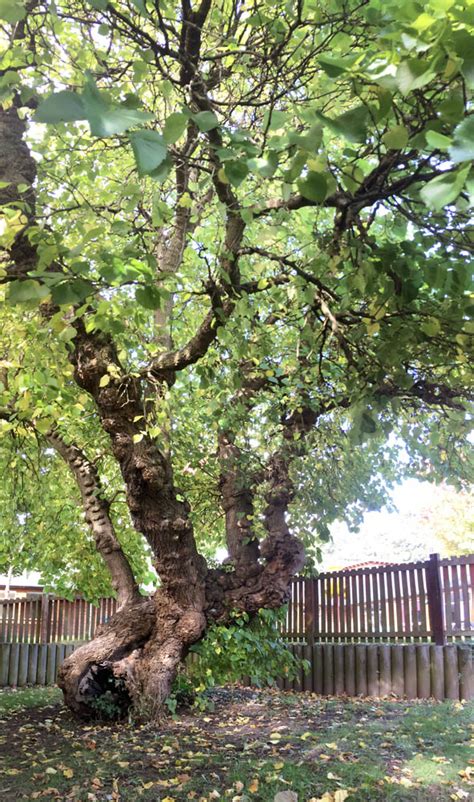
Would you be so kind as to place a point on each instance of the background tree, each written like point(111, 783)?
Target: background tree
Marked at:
point(235, 271)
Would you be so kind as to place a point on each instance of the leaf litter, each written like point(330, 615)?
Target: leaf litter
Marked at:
point(255, 746)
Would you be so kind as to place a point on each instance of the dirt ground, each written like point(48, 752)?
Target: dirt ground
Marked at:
point(250, 746)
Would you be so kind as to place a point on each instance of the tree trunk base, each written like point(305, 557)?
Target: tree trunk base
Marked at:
point(131, 664)
point(98, 680)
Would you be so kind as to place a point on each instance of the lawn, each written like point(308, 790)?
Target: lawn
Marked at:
point(253, 745)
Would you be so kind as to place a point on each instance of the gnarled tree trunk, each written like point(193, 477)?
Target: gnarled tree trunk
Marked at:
point(134, 657)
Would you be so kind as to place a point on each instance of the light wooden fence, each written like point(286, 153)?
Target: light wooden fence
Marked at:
point(416, 671)
point(407, 602)
point(411, 670)
point(47, 619)
point(31, 663)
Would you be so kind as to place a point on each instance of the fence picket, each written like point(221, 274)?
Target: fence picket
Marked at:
point(455, 580)
point(465, 623)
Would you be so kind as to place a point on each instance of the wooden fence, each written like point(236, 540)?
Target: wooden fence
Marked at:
point(411, 670)
point(47, 619)
point(407, 602)
point(416, 671)
point(31, 663)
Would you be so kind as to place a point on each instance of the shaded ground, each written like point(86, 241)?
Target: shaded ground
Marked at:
point(251, 746)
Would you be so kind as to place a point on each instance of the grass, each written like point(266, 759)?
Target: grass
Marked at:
point(252, 746)
point(22, 699)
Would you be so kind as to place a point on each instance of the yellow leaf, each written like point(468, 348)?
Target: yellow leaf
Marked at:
point(185, 200)
point(105, 380)
point(331, 746)
point(253, 787)
point(68, 773)
point(167, 799)
point(136, 439)
point(123, 763)
point(148, 785)
point(50, 770)
point(275, 736)
point(341, 795)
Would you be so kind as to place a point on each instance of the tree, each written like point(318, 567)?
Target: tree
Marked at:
point(450, 521)
point(234, 262)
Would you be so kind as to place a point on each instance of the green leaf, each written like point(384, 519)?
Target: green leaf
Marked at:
point(352, 125)
point(437, 140)
point(60, 107)
point(413, 74)
point(175, 126)
point(452, 108)
point(71, 292)
point(267, 166)
point(140, 5)
point(206, 121)
point(149, 149)
point(313, 186)
point(104, 120)
point(462, 148)
point(396, 138)
point(236, 172)
point(104, 380)
point(149, 297)
point(367, 423)
point(274, 120)
point(163, 170)
point(431, 326)
point(12, 10)
point(115, 121)
point(27, 290)
point(464, 45)
point(444, 189)
point(336, 66)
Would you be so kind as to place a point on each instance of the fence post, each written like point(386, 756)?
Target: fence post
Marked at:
point(435, 600)
point(309, 611)
point(45, 627)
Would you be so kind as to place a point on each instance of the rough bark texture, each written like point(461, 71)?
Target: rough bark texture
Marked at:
point(135, 656)
point(17, 167)
point(97, 515)
point(114, 652)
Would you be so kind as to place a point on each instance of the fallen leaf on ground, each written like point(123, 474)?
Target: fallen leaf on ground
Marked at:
point(286, 796)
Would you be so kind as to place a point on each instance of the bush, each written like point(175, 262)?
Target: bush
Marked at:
point(244, 648)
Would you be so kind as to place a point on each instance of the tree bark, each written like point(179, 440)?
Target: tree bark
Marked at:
point(97, 515)
point(107, 663)
point(134, 658)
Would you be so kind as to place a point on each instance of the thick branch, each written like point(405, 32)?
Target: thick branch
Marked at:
point(97, 515)
point(152, 498)
point(196, 347)
point(237, 501)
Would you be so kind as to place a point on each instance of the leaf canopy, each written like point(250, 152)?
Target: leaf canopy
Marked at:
point(286, 207)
